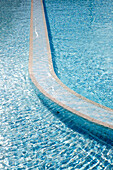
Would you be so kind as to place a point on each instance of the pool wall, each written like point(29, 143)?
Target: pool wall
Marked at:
point(40, 72)
point(74, 121)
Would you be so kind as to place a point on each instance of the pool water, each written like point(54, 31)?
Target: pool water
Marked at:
point(31, 135)
point(81, 39)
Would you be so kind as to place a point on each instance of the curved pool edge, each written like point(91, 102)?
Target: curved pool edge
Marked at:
point(58, 80)
point(75, 122)
point(41, 89)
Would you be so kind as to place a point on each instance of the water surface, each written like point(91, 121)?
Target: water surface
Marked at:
point(31, 136)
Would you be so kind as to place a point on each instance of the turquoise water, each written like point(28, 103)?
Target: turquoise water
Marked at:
point(81, 36)
point(31, 135)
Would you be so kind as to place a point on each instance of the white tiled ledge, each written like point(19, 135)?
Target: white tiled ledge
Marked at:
point(43, 76)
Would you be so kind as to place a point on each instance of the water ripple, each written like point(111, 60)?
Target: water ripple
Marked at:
point(31, 136)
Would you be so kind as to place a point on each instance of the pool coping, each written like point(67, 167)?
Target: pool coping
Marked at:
point(51, 69)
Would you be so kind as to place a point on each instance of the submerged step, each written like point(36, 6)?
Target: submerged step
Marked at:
point(97, 119)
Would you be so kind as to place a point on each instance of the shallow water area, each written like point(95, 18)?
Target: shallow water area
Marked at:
point(31, 135)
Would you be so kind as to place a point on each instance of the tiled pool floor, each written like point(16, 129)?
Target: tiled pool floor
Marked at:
point(42, 74)
point(31, 135)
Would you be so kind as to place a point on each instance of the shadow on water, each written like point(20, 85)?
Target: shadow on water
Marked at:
point(89, 129)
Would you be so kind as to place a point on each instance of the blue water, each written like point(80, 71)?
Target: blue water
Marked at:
point(31, 135)
point(81, 36)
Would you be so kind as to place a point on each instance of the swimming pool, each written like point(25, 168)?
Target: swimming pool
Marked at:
point(32, 136)
point(81, 43)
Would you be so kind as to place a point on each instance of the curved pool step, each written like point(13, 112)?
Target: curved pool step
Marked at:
point(43, 76)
